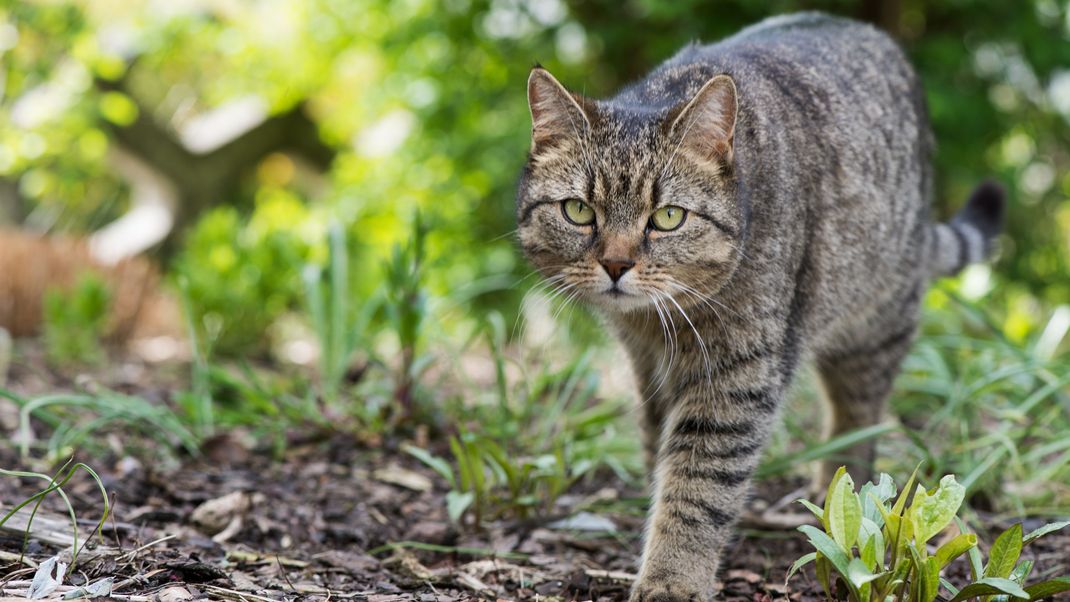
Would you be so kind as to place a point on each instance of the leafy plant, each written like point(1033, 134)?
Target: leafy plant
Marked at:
point(535, 438)
point(75, 321)
point(339, 325)
point(874, 547)
point(406, 307)
point(241, 274)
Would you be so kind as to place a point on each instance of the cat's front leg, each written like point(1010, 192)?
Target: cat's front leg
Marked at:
point(710, 446)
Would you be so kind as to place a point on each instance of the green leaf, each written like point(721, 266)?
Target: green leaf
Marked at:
point(435, 463)
point(1005, 552)
point(901, 503)
point(976, 564)
point(828, 497)
point(845, 513)
point(931, 579)
point(823, 569)
point(1021, 572)
point(990, 586)
point(1048, 588)
point(457, 502)
point(812, 507)
point(930, 513)
point(955, 548)
point(827, 547)
point(871, 542)
point(873, 496)
point(1042, 531)
point(800, 563)
point(859, 574)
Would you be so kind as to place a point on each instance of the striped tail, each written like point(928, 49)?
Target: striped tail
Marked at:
point(971, 234)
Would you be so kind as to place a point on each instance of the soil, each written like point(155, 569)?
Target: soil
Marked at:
point(335, 518)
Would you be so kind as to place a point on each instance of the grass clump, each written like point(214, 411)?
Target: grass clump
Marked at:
point(876, 547)
point(55, 484)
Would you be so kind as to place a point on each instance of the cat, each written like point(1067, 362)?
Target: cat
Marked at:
point(746, 206)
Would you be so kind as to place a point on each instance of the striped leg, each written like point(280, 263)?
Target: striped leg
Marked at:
point(711, 443)
point(857, 383)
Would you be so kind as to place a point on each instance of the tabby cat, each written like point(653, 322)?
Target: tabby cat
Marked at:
point(747, 205)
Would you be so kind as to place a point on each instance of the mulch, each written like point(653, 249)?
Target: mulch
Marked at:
point(335, 518)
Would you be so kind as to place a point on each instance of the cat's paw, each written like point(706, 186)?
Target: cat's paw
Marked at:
point(665, 591)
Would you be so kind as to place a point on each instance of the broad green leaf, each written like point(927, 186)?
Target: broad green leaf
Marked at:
point(955, 548)
point(800, 563)
point(457, 502)
point(990, 586)
point(871, 540)
point(828, 496)
point(812, 507)
point(1021, 572)
point(827, 547)
point(845, 513)
point(1048, 588)
point(873, 496)
point(1005, 552)
point(931, 512)
point(859, 574)
point(1042, 531)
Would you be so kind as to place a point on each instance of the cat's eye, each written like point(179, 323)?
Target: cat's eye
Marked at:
point(669, 217)
point(578, 212)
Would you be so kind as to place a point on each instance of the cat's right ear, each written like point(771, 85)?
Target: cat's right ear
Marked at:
point(556, 114)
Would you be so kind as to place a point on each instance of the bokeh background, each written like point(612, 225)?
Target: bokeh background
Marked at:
point(227, 139)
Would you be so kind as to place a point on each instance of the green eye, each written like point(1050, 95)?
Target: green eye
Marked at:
point(668, 218)
point(577, 212)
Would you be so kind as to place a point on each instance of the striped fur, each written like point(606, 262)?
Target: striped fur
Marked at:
point(800, 149)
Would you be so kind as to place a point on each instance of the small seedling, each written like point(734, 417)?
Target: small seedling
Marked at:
point(871, 549)
point(56, 484)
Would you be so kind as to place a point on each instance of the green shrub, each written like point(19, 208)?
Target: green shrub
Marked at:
point(873, 549)
point(75, 321)
point(242, 274)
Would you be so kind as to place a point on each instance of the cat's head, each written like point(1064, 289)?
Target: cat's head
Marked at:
point(630, 207)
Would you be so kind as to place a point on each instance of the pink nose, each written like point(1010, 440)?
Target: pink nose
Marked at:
point(617, 267)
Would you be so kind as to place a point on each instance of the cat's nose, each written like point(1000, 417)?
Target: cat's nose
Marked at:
point(616, 267)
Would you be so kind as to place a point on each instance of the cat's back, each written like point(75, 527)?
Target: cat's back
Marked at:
point(796, 58)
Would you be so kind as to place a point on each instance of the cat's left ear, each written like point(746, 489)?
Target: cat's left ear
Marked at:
point(704, 127)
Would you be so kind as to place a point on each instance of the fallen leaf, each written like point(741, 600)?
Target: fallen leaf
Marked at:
point(173, 594)
point(214, 515)
point(585, 521)
point(44, 583)
point(403, 477)
point(99, 589)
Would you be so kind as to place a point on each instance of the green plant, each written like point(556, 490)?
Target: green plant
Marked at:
point(57, 486)
point(339, 325)
point(529, 441)
point(75, 321)
point(241, 274)
point(77, 418)
point(873, 549)
point(406, 307)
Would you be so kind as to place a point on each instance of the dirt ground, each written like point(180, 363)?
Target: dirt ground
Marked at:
point(335, 518)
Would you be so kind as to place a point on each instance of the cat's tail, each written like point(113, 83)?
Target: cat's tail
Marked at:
point(971, 235)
